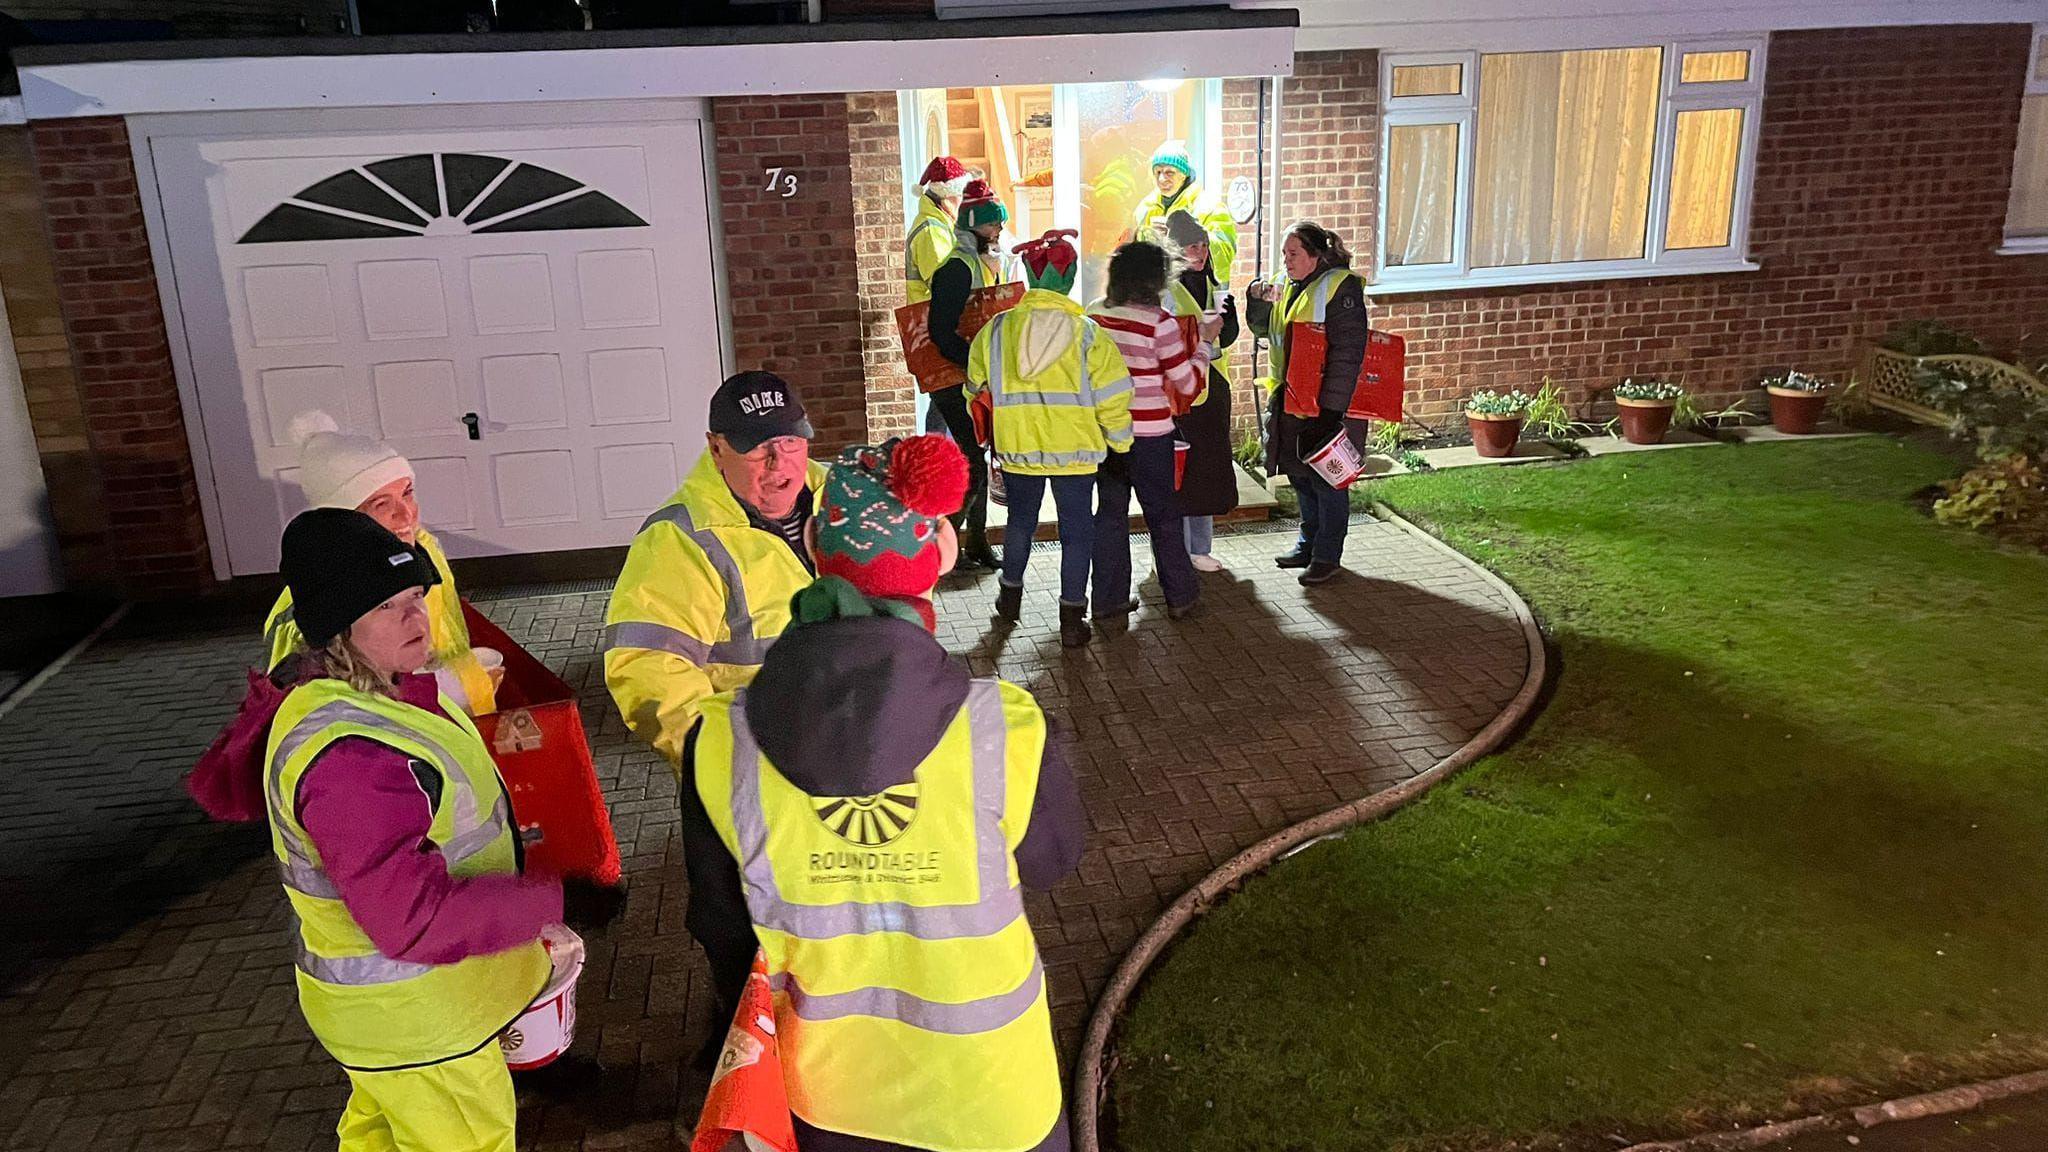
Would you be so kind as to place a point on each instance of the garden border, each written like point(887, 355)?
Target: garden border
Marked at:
point(1943, 1102)
point(1090, 1077)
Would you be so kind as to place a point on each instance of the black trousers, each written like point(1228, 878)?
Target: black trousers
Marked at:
point(951, 404)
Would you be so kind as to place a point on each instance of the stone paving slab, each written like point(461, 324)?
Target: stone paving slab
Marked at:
point(1615, 445)
point(147, 986)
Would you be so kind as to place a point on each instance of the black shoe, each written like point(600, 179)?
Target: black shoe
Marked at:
point(1183, 611)
point(1321, 572)
point(1074, 630)
point(1116, 611)
point(1299, 558)
point(1010, 602)
point(975, 550)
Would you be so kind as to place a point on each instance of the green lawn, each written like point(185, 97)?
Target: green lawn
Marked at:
point(1779, 841)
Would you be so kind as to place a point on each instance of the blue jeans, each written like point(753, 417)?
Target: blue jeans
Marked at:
point(1325, 515)
point(1071, 500)
point(1149, 469)
point(1201, 535)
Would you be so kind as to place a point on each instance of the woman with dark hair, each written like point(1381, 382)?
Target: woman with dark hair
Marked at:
point(1166, 379)
point(1320, 289)
point(1209, 487)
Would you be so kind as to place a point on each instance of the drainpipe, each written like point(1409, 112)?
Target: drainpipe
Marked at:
point(1276, 234)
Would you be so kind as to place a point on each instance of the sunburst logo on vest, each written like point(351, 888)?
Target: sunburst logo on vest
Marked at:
point(869, 821)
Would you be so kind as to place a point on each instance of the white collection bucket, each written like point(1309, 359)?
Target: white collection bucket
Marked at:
point(1337, 462)
point(547, 1028)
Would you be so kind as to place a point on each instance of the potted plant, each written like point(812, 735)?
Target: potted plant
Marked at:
point(1496, 421)
point(1646, 407)
point(1797, 399)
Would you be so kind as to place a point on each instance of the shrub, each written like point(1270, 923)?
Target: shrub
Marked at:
point(1546, 417)
point(2007, 495)
point(1491, 403)
point(1647, 389)
point(1981, 403)
point(1931, 338)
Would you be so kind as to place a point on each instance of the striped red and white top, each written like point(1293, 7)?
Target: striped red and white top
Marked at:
point(1158, 359)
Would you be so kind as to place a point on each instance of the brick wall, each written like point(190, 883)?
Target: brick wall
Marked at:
point(877, 157)
point(56, 413)
point(790, 264)
point(1882, 177)
point(120, 356)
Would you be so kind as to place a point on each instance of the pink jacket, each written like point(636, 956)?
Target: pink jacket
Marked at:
point(368, 818)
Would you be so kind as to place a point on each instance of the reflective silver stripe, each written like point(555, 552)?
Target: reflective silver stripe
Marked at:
point(910, 247)
point(374, 968)
point(999, 904)
point(965, 1019)
point(657, 638)
point(1089, 456)
point(739, 647)
point(278, 622)
point(1117, 389)
point(305, 877)
point(1048, 399)
point(1120, 436)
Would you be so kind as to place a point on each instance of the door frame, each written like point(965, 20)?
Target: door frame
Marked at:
point(144, 131)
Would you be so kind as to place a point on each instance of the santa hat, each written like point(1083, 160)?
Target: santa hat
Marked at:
point(880, 516)
point(1050, 261)
point(338, 469)
point(945, 177)
point(979, 206)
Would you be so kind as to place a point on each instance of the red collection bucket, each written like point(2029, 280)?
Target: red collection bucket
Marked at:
point(1338, 461)
point(1180, 463)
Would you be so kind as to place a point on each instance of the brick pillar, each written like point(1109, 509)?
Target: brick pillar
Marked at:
point(791, 264)
point(120, 355)
point(878, 211)
point(55, 412)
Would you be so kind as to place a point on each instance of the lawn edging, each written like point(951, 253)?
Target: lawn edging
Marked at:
point(1091, 1078)
point(1946, 1101)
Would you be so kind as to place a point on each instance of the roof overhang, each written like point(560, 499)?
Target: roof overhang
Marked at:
point(500, 68)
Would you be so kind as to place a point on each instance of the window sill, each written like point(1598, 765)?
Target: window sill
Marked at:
point(2024, 246)
point(1521, 277)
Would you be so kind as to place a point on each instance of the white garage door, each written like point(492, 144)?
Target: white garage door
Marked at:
point(526, 312)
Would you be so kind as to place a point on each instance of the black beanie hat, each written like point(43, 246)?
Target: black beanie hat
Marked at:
point(339, 564)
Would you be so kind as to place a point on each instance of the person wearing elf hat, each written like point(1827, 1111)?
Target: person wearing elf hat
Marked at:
point(1176, 189)
point(931, 238)
point(867, 815)
point(342, 470)
point(1060, 398)
point(973, 264)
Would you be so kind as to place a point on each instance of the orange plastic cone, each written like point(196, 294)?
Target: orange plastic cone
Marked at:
point(747, 1107)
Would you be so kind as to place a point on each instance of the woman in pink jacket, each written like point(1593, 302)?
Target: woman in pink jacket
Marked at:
point(417, 932)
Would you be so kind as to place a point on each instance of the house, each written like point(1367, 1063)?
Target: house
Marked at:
point(527, 259)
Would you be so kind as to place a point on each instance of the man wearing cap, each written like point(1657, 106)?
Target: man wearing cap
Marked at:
point(707, 582)
point(975, 263)
point(931, 239)
point(1175, 187)
point(869, 814)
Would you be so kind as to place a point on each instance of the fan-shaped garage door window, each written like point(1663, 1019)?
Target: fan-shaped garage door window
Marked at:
point(441, 193)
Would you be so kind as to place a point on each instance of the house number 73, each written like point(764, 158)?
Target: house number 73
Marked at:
point(785, 181)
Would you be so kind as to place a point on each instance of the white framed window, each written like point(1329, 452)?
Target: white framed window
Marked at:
point(1578, 164)
point(2026, 212)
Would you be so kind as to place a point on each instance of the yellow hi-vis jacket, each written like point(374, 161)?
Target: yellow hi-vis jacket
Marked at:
point(448, 634)
point(369, 1011)
point(1310, 306)
point(702, 596)
point(1061, 392)
point(1207, 210)
point(931, 241)
point(909, 994)
point(1181, 302)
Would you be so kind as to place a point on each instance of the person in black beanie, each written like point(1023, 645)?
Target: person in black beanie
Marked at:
point(418, 933)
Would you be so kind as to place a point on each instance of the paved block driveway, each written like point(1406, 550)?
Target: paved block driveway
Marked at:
point(148, 996)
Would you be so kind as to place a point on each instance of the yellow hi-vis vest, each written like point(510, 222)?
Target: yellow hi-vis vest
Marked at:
point(980, 274)
point(1069, 416)
point(931, 241)
point(1309, 306)
point(909, 994)
point(369, 1011)
point(1181, 302)
point(702, 596)
point(445, 628)
point(1207, 210)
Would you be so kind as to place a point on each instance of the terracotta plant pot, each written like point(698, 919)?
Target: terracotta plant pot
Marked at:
point(1645, 421)
point(1494, 436)
point(1796, 413)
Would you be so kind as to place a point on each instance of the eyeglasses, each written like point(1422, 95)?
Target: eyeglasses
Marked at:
point(779, 446)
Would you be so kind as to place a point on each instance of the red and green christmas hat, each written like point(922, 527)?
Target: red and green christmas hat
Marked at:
point(879, 520)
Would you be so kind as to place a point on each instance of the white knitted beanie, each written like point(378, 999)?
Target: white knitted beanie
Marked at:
point(339, 470)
